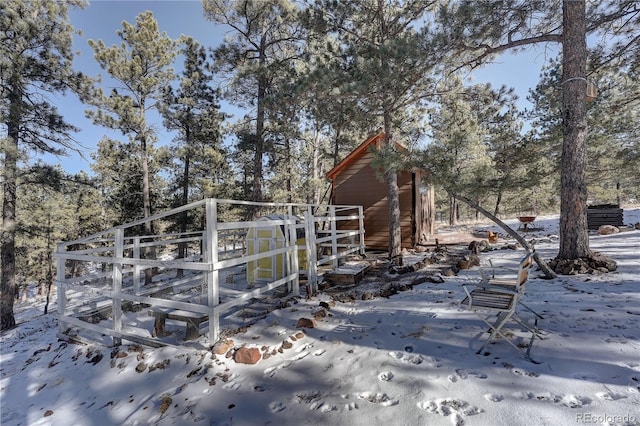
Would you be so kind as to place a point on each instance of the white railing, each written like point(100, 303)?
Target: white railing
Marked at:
point(100, 276)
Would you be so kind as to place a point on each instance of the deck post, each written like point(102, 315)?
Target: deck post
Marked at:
point(117, 284)
point(334, 236)
point(361, 229)
point(292, 257)
point(310, 242)
point(60, 278)
point(210, 240)
point(136, 266)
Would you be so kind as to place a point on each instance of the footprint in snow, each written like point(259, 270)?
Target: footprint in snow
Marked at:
point(493, 397)
point(271, 371)
point(584, 375)
point(571, 401)
point(319, 352)
point(385, 376)
point(610, 396)
point(232, 386)
point(277, 406)
point(314, 401)
point(350, 406)
point(521, 372)
point(408, 358)
point(455, 409)
point(377, 398)
point(465, 374)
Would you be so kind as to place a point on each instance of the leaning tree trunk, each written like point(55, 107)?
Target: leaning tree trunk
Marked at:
point(548, 272)
point(574, 237)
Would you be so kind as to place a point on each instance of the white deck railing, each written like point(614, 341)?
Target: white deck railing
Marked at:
point(100, 276)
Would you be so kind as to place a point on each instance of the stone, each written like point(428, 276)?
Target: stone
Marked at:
point(608, 230)
point(222, 346)
point(245, 355)
point(319, 314)
point(286, 345)
point(449, 272)
point(306, 323)
point(328, 305)
point(601, 261)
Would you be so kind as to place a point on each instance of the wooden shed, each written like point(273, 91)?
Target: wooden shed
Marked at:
point(354, 182)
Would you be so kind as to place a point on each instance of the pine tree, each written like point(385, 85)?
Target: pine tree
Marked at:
point(53, 207)
point(141, 68)
point(119, 181)
point(193, 110)
point(35, 63)
point(390, 67)
point(264, 39)
point(457, 157)
point(481, 30)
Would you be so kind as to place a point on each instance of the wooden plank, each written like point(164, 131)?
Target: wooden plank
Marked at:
point(348, 274)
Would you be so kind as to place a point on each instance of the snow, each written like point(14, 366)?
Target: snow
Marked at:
point(404, 360)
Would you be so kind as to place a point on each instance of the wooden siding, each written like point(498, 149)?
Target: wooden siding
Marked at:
point(358, 184)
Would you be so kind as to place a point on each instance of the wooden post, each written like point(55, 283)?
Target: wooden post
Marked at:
point(60, 278)
point(312, 255)
point(211, 258)
point(334, 236)
point(136, 266)
point(361, 228)
point(293, 265)
point(117, 284)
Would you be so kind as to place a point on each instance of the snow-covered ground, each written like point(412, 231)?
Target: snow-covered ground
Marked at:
point(405, 360)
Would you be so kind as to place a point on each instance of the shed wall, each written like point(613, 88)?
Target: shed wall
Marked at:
point(359, 184)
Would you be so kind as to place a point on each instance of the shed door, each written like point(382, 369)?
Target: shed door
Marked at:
point(267, 240)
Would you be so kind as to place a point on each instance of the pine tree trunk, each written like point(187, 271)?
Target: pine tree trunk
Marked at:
point(393, 197)
point(182, 247)
point(259, 137)
point(496, 210)
point(149, 252)
point(574, 237)
point(8, 273)
point(453, 210)
point(315, 168)
point(289, 168)
point(259, 150)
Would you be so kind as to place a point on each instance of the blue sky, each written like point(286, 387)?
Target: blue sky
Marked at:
point(101, 19)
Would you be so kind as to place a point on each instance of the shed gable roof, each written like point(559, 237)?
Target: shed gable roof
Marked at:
point(362, 148)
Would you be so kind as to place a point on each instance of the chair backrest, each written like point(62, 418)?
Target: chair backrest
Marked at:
point(523, 270)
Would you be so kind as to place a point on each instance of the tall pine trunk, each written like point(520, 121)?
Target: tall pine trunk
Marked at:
point(574, 237)
point(184, 217)
point(259, 137)
point(149, 252)
point(9, 193)
point(393, 196)
point(8, 274)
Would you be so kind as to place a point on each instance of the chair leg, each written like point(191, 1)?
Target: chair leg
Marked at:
point(496, 330)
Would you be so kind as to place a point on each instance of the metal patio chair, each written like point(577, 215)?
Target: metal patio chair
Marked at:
point(495, 302)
